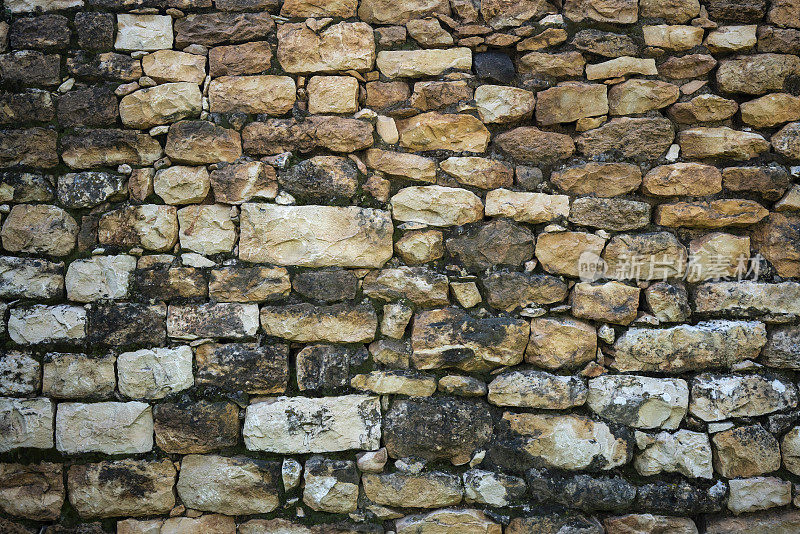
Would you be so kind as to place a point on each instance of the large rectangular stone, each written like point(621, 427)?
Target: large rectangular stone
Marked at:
point(315, 236)
point(689, 347)
point(32, 278)
point(127, 487)
point(26, 423)
point(47, 324)
point(108, 427)
point(337, 323)
point(233, 486)
point(299, 425)
point(246, 367)
point(222, 320)
point(749, 299)
point(32, 491)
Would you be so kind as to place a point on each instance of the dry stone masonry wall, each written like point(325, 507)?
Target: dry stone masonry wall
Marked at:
point(400, 266)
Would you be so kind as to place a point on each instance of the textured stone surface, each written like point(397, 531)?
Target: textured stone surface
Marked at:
point(639, 401)
point(294, 424)
point(686, 347)
point(346, 237)
point(108, 427)
point(447, 338)
point(237, 485)
point(121, 488)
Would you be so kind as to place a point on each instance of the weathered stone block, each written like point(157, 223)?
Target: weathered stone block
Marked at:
point(315, 236)
point(132, 488)
point(236, 485)
point(292, 425)
point(107, 427)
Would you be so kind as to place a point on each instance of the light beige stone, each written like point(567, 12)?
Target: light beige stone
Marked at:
point(430, 489)
point(640, 96)
point(611, 302)
point(561, 252)
point(421, 63)
point(749, 298)
point(526, 207)
point(99, 278)
point(155, 373)
point(292, 425)
point(180, 184)
point(340, 47)
point(684, 452)
point(652, 256)
point(570, 102)
point(26, 423)
point(415, 248)
point(568, 442)
point(31, 278)
point(537, 389)
point(758, 493)
point(621, 66)
point(683, 179)
point(206, 229)
point(731, 39)
point(107, 427)
point(640, 401)
point(232, 485)
point(395, 383)
point(502, 104)
point(401, 164)
point(315, 8)
point(47, 324)
point(438, 131)
point(552, 66)
point(745, 451)
point(717, 255)
point(39, 229)
point(436, 205)
point(150, 226)
point(400, 12)
point(428, 33)
point(143, 32)
point(332, 94)
point(336, 323)
point(448, 520)
point(162, 104)
point(315, 236)
point(703, 108)
point(387, 129)
point(478, 172)
point(688, 347)
point(615, 11)
point(561, 343)
point(719, 397)
point(672, 37)
point(174, 66)
point(265, 94)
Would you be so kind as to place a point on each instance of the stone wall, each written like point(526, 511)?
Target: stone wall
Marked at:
point(407, 266)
